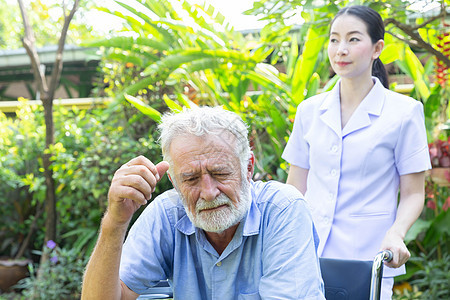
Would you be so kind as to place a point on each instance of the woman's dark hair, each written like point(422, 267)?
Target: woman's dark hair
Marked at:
point(375, 28)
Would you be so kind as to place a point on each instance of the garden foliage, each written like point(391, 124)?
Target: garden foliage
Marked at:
point(173, 54)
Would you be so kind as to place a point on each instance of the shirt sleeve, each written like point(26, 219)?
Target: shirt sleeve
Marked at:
point(291, 267)
point(296, 151)
point(146, 252)
point(411, 151)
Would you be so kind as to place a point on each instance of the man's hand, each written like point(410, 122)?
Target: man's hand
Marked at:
point(132, 186)
point(400, 253)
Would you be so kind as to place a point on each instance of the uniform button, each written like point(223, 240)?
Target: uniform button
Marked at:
point(334, 148)
point(326, 220)
point(330, 196)
point(333, 172)
point(219, 264)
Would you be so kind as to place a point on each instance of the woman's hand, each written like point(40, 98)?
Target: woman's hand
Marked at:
point(400, 254)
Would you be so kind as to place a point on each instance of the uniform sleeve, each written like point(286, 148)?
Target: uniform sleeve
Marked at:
point(296, 151)
point(147, 252)
point(291, 267)
point(411, 151)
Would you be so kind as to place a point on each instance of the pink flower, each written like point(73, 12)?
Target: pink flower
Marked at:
point(431, 204)
point(447, 175)
point(446, 204)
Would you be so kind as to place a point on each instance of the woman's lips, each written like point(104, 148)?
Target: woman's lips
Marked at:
point(342, 64)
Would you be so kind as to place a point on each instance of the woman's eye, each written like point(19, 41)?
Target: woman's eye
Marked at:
point(354, 39)
point(333, 40)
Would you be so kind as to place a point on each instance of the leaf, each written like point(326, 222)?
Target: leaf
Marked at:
point(144, 108)
point(315, 39)
point(418, 227)
point(331, 83)
point(172, 104)
point(417, 71)
point(391, 53)
point(438, 229)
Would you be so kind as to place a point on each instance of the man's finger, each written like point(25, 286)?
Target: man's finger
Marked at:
point(162, 168)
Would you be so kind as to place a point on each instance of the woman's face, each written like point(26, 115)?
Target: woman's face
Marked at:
point(350, 48)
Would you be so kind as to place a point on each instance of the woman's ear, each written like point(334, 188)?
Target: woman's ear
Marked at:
point(378, 48)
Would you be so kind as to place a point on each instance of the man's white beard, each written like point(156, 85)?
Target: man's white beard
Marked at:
point(218, 220)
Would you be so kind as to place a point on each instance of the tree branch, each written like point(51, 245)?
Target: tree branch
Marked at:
point(56, 73)
point(420, 42)
point(29, 44)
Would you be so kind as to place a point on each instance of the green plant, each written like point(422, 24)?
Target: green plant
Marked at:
point(92, 145)
point(22, 187)
point(407, 292)
point(59, 277)
point(433, 277)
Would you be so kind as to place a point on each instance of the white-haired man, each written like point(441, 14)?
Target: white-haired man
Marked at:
point(217, 235)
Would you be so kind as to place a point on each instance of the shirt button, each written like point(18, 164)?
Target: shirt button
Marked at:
point(219, 264)
point(325, 220)
point(333, 172)
point(330, 197)
point(334, 148)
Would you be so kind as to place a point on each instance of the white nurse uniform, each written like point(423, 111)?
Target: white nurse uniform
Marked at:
point(353, 178)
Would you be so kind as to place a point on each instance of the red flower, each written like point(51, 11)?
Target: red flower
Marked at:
point(431, 204)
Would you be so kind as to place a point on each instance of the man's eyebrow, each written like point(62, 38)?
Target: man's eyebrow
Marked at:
point(188, 174)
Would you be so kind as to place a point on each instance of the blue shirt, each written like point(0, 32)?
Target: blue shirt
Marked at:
point(273, 254)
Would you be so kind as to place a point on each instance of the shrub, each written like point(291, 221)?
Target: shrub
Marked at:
point(59, 277)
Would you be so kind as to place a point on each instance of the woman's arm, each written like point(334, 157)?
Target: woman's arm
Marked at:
point(297, 177)
point(412, 197)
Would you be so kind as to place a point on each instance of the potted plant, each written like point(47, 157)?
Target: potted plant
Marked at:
point(440, 161)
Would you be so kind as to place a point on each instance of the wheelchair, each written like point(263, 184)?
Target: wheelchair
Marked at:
point(343, 279)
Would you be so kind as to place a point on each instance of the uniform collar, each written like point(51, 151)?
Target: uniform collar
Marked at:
point(372, 104)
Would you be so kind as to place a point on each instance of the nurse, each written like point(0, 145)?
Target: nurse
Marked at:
point(353, 149)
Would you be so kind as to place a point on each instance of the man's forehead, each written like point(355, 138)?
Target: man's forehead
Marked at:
point(213, 150)
point(208, 143)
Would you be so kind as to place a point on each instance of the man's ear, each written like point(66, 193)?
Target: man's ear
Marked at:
point(250, 166)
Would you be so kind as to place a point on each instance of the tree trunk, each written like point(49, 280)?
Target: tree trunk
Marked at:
point(47, 92)
point(50, 201)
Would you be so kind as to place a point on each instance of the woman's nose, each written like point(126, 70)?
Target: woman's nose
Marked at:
point(342, 50)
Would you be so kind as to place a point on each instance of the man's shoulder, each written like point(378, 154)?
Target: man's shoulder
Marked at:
point(275, 193)
point(167, 203)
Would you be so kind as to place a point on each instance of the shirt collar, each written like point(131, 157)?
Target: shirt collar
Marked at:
point(373, 106)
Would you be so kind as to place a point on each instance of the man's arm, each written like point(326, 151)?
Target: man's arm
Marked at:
point(131, 187)
point(291, 267)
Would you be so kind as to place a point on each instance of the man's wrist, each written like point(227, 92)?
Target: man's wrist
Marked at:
point(111, 227)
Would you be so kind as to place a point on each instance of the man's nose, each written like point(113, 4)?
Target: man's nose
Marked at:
point(209, 188)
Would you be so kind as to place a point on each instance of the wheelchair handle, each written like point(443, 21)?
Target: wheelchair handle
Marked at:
point(377, 273)
point(387, 255)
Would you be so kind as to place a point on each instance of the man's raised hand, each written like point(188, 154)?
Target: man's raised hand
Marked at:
point(132, 186)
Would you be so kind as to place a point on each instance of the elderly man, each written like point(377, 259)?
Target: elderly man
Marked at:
point(217, 235)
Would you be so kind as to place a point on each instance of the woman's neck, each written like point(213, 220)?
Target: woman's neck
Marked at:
point(352, 92)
